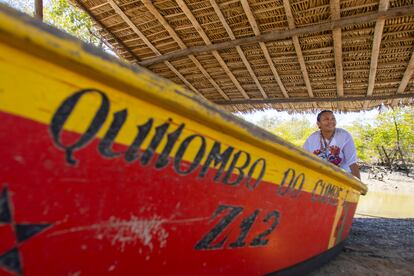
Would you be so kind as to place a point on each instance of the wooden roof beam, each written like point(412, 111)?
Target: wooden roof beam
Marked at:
point(207, 41)
point(280, 35)
point(98, 6)
point(407, 75)
point(172, 68)
point(337, 41)
point(376, 44)
point(153, 10)
point(296, 44)
point(82, 6)
point(149, 44)
point(317, 100)
point(406, 78)
point(263, 47)
point(238, 48)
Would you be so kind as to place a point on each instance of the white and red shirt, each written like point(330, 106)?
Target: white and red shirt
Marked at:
point(340, 150)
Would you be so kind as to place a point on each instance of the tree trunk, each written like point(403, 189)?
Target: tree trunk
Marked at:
point(397, 130)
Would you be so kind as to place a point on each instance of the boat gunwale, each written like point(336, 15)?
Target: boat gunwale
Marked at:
point(41, 40)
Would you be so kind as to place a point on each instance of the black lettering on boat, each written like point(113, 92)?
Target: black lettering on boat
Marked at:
point(288, 176)
point(239, 169)
point(63, 113)
point(172, 138)
point(251, 172)
point(329, 194)
point(298, 179)
point(325, 193)
point(156, 140)
point(206, 242)
point(260, 239)
point(180, 153)
point(227, 177)
point(289, 183)
point(143, 130)
point(245, 227)
point(218, 158)
point(105, 145)
point(314, 196)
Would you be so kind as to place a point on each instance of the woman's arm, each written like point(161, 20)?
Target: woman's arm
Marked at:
point(355, 170)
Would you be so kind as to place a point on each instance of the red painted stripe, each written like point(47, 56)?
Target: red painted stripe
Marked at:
point(101, 207)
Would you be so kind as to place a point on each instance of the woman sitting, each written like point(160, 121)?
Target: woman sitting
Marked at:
point(335, 145)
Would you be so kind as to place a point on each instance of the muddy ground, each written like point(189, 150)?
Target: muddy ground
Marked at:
point(377, 245)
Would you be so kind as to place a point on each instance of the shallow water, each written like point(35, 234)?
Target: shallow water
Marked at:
point(386, 204)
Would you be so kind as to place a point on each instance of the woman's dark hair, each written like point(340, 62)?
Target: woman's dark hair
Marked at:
point(318, 118)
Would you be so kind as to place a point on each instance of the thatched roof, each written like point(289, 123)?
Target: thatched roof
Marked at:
point(292, 55)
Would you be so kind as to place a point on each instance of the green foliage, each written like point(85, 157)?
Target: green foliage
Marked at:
point(294, 130)
point(268, 122)
point(392, 129)
point(61, 14)
point(363, 132)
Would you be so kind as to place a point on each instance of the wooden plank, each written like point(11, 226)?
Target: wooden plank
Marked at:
point(98, 6)
point(253, 24)
point(172, 68)
point(298, 50)
point(207, 75)
point(153, 10)
point(207, 41)
point(238, 48)
point(133, 27)
point(149, 44)
point(407, 75)
point(302, 65)
point(280, 35)
point(107, 31)
point(379, 27)
point(337, 41)
point(406, 78)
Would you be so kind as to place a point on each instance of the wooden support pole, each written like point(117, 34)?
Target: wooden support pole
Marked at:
point(38, 9)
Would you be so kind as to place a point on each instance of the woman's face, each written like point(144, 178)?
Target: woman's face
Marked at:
point(327, 122)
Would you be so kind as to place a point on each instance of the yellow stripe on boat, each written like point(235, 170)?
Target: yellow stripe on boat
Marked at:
point(54, 63)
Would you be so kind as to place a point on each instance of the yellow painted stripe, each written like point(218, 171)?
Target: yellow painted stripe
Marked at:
point(39, 70)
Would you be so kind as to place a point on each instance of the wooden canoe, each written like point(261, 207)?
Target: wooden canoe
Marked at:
point(109, 169)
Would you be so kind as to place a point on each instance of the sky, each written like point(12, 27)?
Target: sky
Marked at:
point(343, 119)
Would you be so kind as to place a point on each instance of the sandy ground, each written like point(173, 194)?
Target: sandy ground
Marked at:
point(375, 245)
